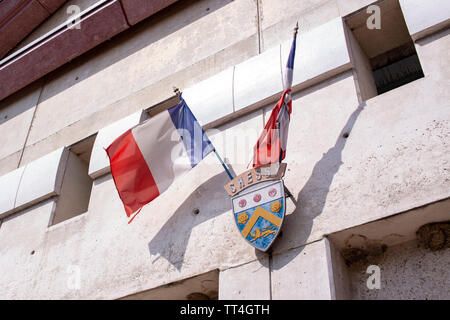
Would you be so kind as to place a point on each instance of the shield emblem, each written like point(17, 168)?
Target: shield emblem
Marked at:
point(259, 212)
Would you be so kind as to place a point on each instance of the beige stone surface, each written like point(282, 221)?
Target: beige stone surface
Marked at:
point(278, 18)
point(391, 231)
point(347, 7)
point(9, 185)
point(302, 273)
point(425, 17)
point(211, 99)
point(250, 281)
point(263, 72)
point(61, 271)
point(42, 178)
point(19, 272)
point(407, 272)
point(16, 114)
point(10, 163)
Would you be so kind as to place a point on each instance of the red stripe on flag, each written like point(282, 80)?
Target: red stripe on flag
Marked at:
point(268, 147)
point(132, 177)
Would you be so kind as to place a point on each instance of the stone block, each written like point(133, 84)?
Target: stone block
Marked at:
point(303, 273)
point(23, 249)
point(9, 184)
point(212, 98)
point(250, 281)
point(42, 178)
point(17, 112)
point(425, 17)
point(257, 78)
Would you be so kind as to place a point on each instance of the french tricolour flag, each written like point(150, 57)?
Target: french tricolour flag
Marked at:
point(271, 145)
point(146, 159)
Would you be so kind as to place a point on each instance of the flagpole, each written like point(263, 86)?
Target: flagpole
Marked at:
point(178, 93)
point(223, 165)
point(286, 190)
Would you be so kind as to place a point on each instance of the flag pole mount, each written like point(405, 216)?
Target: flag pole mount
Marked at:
point(296, 29)
point(177, 91)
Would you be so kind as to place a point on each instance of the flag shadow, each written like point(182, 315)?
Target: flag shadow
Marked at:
point(311, 199)
point(206, 202)
point(211, 200)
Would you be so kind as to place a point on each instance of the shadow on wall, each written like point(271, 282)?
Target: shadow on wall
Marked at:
point(311, 200)
point(210, 199)
point(172, 239)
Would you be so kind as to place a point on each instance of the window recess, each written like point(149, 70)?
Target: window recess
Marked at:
point(77, 184)
point(384, 58)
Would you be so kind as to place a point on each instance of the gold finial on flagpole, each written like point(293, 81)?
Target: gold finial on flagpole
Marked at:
point(176, 91)
point(296, 29)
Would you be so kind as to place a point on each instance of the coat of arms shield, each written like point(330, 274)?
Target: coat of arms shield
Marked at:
point(259, 204)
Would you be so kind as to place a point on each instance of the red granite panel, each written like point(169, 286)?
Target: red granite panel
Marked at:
point(51, 5)
point(18, 26)
point(62, 47)
point(137, 10)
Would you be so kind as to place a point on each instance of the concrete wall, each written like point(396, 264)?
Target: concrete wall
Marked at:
point(138, 69)
point(408, 272)
point(407, 249)
point(410, 264)
point(16, 111)
point(394, 159)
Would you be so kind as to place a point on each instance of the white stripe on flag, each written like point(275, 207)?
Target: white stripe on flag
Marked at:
point(288, 78)
point(162, 149)
point(283, 120)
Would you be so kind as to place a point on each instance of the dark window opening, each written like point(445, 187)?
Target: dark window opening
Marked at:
point(396, 68)
point(384, 58)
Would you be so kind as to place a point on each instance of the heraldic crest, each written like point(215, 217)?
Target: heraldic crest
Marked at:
point(259, 204)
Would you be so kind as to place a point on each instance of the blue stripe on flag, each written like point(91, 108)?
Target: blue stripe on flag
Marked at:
point(196, 142)
point(290, 62)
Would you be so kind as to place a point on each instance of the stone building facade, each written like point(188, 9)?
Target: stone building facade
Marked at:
point(368, 155)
